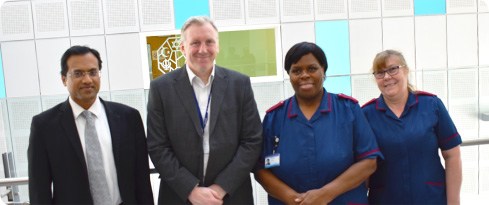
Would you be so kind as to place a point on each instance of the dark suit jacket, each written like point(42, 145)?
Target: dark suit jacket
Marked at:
point(175, 136)
point(56, 157)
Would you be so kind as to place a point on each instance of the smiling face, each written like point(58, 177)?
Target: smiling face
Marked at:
point(307, 77)
point(83, 90)
point(200, 47)
point(396, 85)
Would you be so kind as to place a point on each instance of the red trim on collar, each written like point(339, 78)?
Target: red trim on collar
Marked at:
point(377, 106)
point(290, 110)
point(329, 104)
point(279, 104)
point(341, 95)
point(369, 102)
point(415, 102)
point(419, 92)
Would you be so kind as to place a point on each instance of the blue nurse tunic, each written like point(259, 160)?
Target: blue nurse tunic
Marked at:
point(411, 172)
point(314, 152)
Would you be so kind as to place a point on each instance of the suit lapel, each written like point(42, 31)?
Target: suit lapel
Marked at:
point(67, 121)
point(114, 121)
point(187, 98)
point(219, 86)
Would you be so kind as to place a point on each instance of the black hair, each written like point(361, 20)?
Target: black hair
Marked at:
point(301, 49)
point(78, 50)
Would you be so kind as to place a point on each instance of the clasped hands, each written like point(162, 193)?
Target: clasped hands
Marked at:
point(311, 197)
point(212, 195)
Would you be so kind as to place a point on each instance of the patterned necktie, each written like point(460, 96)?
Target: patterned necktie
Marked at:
point(95, 163)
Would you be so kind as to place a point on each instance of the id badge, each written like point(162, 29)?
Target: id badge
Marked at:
point(272, 160)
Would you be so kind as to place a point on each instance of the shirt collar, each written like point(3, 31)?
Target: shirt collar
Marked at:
point(77, 109)
point(192, 76)
point(380, 103)
point(324, 107)
point(411, 101)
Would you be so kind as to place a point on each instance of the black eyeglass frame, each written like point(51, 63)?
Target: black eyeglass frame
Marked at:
point(391, 71)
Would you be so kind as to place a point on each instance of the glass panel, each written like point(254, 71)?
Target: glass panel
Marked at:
point(424, 7)
point(333, 38)
point(185, 9)
point(164, 53)
point(338, 84)
point(251, 52)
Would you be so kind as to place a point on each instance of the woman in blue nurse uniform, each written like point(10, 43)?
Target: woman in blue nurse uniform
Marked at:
point(318, 146)
point(410, 127)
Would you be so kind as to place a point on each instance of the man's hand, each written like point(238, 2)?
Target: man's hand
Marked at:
point(204, 195)
point(218, 189)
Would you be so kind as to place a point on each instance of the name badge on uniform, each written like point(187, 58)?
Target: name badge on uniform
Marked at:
point(272, 160)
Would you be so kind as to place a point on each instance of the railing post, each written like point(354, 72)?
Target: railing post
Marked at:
point(9, 169)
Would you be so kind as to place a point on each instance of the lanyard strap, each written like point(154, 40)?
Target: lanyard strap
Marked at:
point(276, 139)
point(203, 121)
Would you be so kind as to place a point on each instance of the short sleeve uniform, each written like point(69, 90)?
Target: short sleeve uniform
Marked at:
point(314, 152)
point(411, 172)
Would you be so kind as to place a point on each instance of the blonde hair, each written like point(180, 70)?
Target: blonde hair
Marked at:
point(381, 59)
point(199, 20)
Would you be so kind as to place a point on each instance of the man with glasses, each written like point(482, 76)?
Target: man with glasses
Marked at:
point(87, 150)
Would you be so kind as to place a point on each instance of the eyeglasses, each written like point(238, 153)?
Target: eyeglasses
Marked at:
point(80, 74)
point(391, 71)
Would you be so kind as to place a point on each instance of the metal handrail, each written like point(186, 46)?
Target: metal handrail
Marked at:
point(14, 181)
point(482, 141)
point(25, 180)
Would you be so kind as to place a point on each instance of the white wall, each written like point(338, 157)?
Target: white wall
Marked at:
point(448, 54)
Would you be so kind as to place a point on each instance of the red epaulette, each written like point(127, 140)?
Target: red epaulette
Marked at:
point(424, 93)
point(369, 102)
point(279, 104)
point(341, 95)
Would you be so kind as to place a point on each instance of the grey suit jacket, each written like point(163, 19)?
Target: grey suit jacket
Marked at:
point(175, 136)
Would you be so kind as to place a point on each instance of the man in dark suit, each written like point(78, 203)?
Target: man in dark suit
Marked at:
point(204, 130)
point(86, 150)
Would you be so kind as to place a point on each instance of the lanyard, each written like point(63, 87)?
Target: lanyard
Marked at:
point(275, 144)
point(203, 121)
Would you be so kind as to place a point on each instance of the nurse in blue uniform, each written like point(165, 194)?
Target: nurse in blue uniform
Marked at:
point(410, 127)
point(318, 146)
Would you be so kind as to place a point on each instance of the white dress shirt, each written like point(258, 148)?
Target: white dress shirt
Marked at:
point(103, 133)
point(202, 92)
